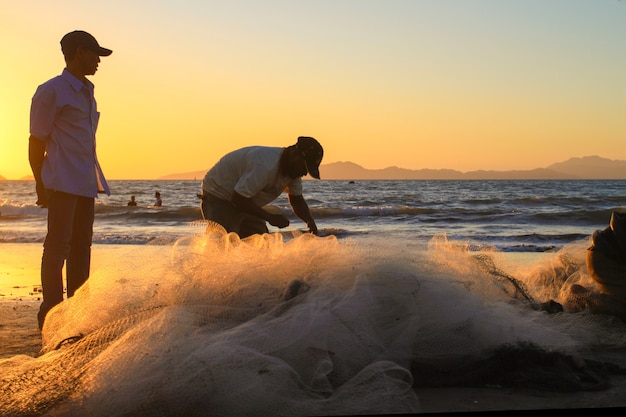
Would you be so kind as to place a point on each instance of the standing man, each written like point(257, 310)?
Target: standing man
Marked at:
point(237, 188)
point(62, 155)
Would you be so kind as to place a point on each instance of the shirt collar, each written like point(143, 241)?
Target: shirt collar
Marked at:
point(75, 82)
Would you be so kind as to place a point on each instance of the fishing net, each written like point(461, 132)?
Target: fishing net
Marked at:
point(298, 326)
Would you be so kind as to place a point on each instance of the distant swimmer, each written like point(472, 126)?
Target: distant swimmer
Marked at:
point(132, 201)
point(236, 189)
point(158, 202)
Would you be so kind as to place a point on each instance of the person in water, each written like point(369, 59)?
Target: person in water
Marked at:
point(68, 177)
point(132, 201)
point(158, 202)
point(242, 182)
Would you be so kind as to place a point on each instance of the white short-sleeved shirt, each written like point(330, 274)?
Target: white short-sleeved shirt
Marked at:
point(64, 113)
point(252, 172)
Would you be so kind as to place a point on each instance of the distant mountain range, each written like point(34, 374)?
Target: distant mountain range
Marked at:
point(588, 167)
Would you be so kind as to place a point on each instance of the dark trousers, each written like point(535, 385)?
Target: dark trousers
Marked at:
point(230, 217)
point(70, 230)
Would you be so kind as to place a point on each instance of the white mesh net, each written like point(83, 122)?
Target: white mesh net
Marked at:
point(216, 326)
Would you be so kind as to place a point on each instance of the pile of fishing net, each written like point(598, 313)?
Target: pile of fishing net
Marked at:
point(293, 327)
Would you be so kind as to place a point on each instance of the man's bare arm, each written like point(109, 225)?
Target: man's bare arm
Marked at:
point(36, 155)
point(247, 205)
point(301, 209)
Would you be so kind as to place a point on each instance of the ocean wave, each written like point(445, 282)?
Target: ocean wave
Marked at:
point(13, 210)
point(509, 215)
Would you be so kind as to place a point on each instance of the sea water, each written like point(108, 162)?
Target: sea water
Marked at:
point(512, 216)
point(410, 284)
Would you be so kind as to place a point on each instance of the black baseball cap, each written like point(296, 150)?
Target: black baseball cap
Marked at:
point(312, 152)
point(77, 38)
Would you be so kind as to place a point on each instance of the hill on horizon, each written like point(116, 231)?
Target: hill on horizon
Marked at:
point(583, 168)
point(588, 168)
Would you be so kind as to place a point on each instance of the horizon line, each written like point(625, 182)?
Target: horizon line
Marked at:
point(393, 167)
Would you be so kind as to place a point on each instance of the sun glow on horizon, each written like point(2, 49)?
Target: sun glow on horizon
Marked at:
point(494, 85)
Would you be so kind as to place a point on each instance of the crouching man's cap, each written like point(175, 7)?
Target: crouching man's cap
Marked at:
point(312, 152)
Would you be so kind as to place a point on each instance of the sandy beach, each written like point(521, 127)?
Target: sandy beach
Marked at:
point(19, 269)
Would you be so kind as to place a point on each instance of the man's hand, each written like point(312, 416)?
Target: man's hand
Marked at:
point(36, 155)
point(247, 205)
point(301, 209)
point(277, 220)
point(42, 200)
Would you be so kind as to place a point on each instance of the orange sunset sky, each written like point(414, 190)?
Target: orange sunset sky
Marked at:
point(459, 84)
